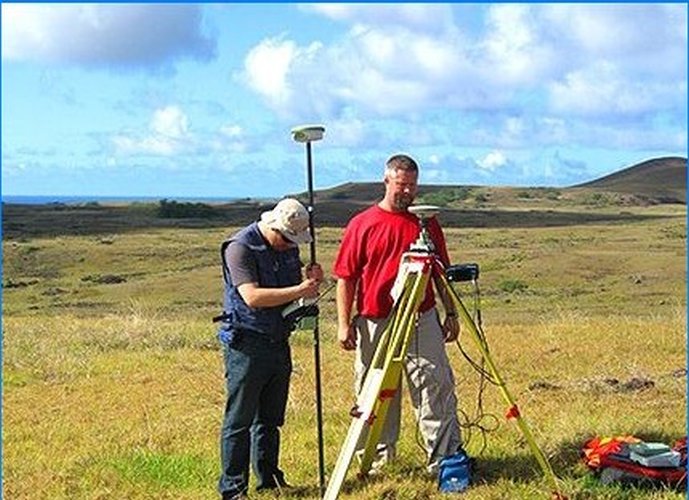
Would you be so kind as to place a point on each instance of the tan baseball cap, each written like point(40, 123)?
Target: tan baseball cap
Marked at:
point(290, 218)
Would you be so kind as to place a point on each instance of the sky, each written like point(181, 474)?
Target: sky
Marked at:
point(198, 100)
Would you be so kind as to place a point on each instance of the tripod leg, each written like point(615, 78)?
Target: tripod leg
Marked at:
point(394, 363)
point(513, 411)
point(369, 399)
point(358, 427)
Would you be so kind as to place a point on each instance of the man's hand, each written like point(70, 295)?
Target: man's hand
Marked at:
point(346, 335)
point(309, 288)
point(314, 271)
point(450, 328)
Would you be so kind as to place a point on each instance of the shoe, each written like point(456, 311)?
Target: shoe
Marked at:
point(278, 483)
point(385, 454)
point(234, 496)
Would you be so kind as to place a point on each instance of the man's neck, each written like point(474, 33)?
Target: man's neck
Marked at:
point(266, 233)
point(386, 205)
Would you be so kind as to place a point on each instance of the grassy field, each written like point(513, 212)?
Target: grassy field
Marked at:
point(113, 378)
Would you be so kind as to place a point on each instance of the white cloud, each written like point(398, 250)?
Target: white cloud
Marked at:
point(602, 89)
point(419, 17)
point(634, 31)
point(434, 159)
point(231, 131)
point(267, 67)
point(346, 132)
point(513, 47)
point(168, 135)
point(230, 140)
point(118, 35)
point(379, 71)
point(383, 69)
point(170, 122)
point(492, 161)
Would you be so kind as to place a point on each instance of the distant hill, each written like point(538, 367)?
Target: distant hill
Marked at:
point(605, 200)
point(663, 180)
point(660, 180)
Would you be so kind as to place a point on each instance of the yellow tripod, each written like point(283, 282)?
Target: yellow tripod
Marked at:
point(383, 378)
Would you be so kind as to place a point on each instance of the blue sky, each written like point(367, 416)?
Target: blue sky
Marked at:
point(198, 100)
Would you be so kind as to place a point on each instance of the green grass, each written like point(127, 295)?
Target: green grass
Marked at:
point(164, 471)
point(113, 387)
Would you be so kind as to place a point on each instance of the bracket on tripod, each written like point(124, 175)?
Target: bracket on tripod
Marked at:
point(462, 272)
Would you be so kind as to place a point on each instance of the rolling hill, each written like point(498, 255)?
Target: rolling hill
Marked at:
point(655, 181)
point(604, 200)
point(660, 179)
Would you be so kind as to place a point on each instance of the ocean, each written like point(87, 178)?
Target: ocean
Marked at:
point(73, 200)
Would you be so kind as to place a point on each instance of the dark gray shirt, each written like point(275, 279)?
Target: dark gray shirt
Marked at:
point(241, 263)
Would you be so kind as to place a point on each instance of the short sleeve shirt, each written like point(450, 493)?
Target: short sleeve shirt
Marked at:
point(241, 264)
point(370, 253)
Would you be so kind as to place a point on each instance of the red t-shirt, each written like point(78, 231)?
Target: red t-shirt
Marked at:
point(370, 253)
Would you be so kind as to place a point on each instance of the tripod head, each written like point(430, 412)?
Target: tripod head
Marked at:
point(424, 213)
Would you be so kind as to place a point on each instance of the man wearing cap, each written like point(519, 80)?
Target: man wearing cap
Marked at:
point(262, 274)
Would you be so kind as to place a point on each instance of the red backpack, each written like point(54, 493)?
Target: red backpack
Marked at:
point(612, 458)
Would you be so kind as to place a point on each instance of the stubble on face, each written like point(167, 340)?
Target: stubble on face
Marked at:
point(402, 201)
point(402, 187)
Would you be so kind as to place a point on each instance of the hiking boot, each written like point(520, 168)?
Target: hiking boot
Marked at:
point(385, 454)
point(234, 496)
point(278, 483)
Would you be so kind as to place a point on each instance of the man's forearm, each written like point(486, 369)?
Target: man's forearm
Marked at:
point(448, 303)
point(255, 296)
point(345, 301)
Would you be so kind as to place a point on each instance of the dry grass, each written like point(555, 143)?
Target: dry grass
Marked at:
point(115, 390)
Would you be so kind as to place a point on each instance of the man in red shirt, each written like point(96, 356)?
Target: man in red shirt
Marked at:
point(366, 267)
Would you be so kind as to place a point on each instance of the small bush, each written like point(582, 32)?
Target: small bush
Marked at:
point(10, 283)
point(104, 279)
point(598, 199)
point(552, 194)
point(443, 197)
point(175, 210)
point(512, 285)
point(482, 198)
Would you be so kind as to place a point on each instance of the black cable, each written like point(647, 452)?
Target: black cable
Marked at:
point(478, 422)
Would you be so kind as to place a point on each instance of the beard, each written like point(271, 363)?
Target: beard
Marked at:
point(402, 201)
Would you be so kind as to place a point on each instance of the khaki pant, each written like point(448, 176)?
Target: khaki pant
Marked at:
point(431, 386)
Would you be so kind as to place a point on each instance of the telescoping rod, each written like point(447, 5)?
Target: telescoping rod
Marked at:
point(307, 134)
point(316, 333)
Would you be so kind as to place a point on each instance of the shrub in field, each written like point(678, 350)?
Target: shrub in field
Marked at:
point(105, 279)
point(512, 285)
point(444, 197)
point(175, 210)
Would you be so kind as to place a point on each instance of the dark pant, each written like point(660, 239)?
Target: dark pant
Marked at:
point(257, 374)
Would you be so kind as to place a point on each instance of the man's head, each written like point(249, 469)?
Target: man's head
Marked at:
point(288, 224)
point(401, 181)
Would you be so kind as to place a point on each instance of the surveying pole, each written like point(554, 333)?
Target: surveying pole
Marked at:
point(308, 134)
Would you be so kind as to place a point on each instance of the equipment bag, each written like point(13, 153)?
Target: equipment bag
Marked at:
point(454, 473)
point(622, 458)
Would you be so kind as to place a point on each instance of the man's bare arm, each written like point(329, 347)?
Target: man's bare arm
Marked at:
point(346, 288)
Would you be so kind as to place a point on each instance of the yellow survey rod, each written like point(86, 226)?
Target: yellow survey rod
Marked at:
point(513, 411)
